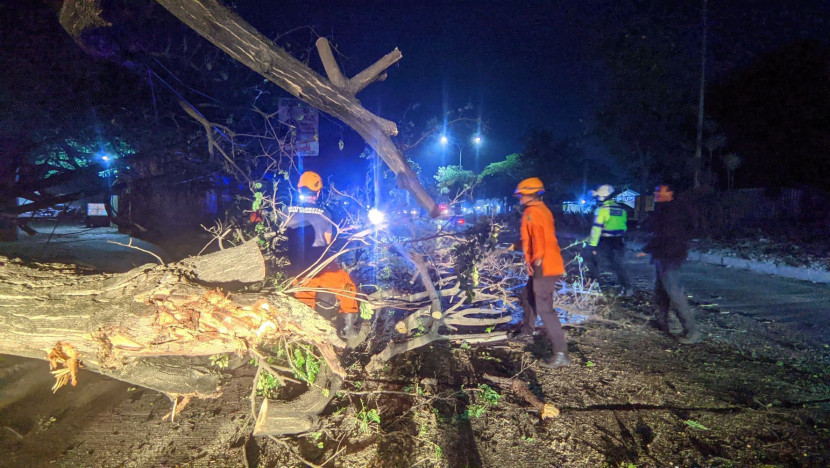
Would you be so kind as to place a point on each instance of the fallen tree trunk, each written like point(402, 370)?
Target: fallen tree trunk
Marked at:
point(240, 40)
point(147, 326)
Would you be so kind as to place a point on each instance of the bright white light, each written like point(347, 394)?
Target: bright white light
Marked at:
point(444, 139)
point(477, 140)
point(376, 216)
point(303, 198)
point(105, 157)
point(413, 212)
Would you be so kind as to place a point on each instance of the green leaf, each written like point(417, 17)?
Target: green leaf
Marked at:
point(695, 425)
point(366, 310)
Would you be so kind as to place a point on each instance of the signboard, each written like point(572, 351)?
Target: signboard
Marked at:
point(96, 209)
point(303, 121)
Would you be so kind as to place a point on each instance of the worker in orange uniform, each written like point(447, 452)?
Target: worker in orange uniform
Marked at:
point(309, 231)
point(544, 267)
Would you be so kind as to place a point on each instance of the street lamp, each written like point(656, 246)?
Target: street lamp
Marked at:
point(476, 141)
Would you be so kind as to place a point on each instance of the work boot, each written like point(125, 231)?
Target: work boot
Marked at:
point(691, 337)
point(349, 329)
point(558, 360)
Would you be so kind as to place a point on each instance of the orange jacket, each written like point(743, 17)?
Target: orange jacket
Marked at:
point(335, 279)
point(539, 239)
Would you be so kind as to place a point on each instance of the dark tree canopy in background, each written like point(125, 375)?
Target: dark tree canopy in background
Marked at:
point(777, 114)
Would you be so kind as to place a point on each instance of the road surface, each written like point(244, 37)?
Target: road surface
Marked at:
point(802, 305)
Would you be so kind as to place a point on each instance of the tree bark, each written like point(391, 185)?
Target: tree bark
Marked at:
point(148, 325)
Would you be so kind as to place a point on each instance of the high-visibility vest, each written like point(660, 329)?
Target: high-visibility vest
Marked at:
point(610, 220)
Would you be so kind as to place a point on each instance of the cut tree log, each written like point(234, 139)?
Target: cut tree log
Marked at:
point(301, 414)
point(147, 325)
point(520, 388)
point(242, 264)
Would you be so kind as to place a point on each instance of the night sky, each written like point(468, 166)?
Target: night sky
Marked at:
point(521, 65)
point(528, 65)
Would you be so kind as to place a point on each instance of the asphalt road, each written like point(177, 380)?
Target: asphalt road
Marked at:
point(802, 305)
point(104, 248)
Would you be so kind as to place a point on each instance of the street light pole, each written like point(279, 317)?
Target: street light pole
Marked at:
point(445, 140)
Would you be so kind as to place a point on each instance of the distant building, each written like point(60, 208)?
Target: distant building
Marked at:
point(628, 197)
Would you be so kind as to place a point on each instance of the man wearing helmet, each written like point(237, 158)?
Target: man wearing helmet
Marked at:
point(309, 231)
point(544, 267)
point(606, 238)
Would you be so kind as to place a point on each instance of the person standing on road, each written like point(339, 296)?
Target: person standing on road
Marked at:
point(669, 245)
point(544, 267)
point(606, 238)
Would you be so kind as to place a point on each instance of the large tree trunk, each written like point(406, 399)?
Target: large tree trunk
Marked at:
point(151, 325)
point(237, 38)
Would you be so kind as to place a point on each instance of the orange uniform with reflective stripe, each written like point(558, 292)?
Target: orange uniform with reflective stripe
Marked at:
point(539, 239)
point(335, 279)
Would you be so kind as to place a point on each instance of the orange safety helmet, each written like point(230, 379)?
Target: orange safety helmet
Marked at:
point(310, 180)
point(530, 186)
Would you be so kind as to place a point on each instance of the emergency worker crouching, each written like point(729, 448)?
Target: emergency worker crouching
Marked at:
point(309, 231)
point(544, 267)
point(606, 239)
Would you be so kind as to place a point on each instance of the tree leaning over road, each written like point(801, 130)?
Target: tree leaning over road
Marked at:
point(335, 96)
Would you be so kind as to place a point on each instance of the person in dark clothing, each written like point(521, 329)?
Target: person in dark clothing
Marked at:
point(670, 225)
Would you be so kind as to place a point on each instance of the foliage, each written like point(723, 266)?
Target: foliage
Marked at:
point(366, 419)
point(305, 364)
point(696, 425)
point(511, 166)
point(455, 179)
point(366, 310)
point(486, 398)
point(219, 360)
point(267, 385)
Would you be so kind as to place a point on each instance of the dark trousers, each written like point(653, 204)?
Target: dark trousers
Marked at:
point(669, 294)
point(612, 249)
point(538, 301)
